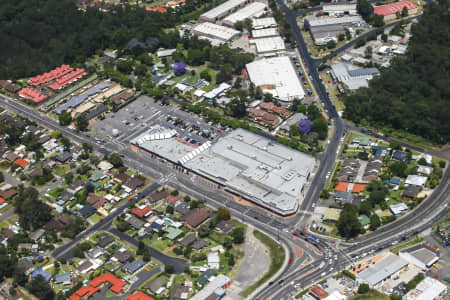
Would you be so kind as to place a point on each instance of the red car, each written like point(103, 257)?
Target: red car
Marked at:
point(101, 220)
point(296, 234)
point(290, 261)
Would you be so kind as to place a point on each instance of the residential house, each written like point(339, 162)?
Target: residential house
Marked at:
point(343, 197)
point(332, 214)
point(364, 220)
point(187, 240)
point(59, 223)
point(263, 118)
point(121, 178)
point(8, 194)
point(416, 180)
point(182, 208)
point(158, 196)
point(64, 279)
point(196, 217)
point(36, 172)
point(24, 247)
point(41, 272)
point(11, 156)
point(398, 209)
point(104, 240)
point(399, 155)
point(8, 233)
point(96, 252)
point(65, 197)
point(135, 222)
point(75, 186)
point(200, 244)
point(341, 186)
point(425, 170)
point(121, 256)
point(132, 184)
point(172, 200)
point(86, 211)
point(349, 170)
point(25, 264)
point(37, 234)
point(224, 227)
point(156, 285)
point(213, 260)
point(179, 292)
point(411, 191)
point(97, 202)
point(272, 108)
point(142, 212)
point(358, 188)
point(24, 164)
point(378, 151)
point(97, 176)
point(105, 165)
point(173, 233)
point(139, 296)
point(63, 157)
point(373, 169)
point(133, 266)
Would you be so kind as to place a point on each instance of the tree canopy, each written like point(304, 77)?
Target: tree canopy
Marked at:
point(413, 94)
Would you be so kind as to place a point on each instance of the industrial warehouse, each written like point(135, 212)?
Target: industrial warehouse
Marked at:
point(277, 76)
point(252, 10)
point(243, 163)
point(215, 32)
point(222, 10)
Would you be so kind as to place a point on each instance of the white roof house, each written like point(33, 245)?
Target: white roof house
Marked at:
point(335, 295)
point(254, 9)
point(424, 170)
point(264, 23)
point(416, 180)
point(222, 10)
point(398, 209)
point(165, 52)
point(269, 45)
point(215, 31)
point(277, 76)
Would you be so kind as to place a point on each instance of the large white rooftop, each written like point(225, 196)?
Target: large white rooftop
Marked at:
point(276, 74)
point(324, 21)
point(221, 10)
point(265, 32)
point(381, 270)
point(264, 23)
point(254, 9)
point(267, 45)
point(257, 168)
point(215, 31)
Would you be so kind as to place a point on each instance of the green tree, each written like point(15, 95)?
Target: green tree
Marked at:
point(363, 288)
point(404, 12)
point(375, 222)
point(365, 9)
point(224, 213)
point(341, 37)
point(398, 168)
point(81, 123)
point(348, 224)
point(377, 197)
point(293, 130)
point(65, 118)
point(368, 52)
point(169, 269)
point(115, 160)
point(205, 75)
point(331, 44)
point(321, 127)
point(238, 235)
point(40, 288)
point(169, 209)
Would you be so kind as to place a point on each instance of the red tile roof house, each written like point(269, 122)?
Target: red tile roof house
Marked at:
point(142, 212)
point(196, 217)
point(271, 107)
point(390, 10)
point(22, 163)
point(96, 284)
point(172, 200)
point(140, 296)
point(262, 117)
